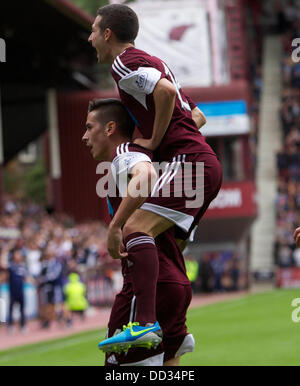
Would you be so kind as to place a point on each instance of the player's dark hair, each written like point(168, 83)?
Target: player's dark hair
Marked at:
point(113, 110)
point(121, 19)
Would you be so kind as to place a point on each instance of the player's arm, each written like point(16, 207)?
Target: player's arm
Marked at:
point(198, 117)
point(139, 188)
point(164, 96)
point(297, 237)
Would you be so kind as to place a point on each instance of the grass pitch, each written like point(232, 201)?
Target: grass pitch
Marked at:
point(254, 330)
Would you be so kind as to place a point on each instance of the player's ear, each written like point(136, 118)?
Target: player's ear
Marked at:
point(107, 34)
point(110, 128)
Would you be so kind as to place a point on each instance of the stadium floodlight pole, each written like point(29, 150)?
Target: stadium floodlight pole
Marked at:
point(1, 151)
point(212, 9)
point(55, 159)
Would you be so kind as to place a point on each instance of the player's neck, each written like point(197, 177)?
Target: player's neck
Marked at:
point(119, 48)
point(117, 142)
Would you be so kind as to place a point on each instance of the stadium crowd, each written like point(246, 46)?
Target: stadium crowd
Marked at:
point(288, 158)
point(216, 271)
point(44, 250)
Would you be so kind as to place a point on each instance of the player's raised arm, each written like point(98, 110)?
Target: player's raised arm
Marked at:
point(164, 96)
point(139, 188)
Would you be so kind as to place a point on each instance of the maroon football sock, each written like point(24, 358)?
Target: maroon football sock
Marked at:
point(142, 253)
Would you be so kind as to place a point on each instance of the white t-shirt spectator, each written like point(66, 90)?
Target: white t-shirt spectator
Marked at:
point(33, 262)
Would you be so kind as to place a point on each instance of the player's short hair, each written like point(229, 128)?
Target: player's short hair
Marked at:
point(121, 19)
point(113, 110)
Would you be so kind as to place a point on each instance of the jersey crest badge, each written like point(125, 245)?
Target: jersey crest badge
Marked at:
point(142, 80)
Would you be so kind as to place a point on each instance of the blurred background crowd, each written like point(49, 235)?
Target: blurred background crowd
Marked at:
point(49, 252)
point(288, 158)
point(44, 250)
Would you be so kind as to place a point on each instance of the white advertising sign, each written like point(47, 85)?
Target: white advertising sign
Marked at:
point(178, 33)
point(225, 125)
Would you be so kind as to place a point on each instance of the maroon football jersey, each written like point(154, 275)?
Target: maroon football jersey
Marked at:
point(136, 74)
point(171, 262)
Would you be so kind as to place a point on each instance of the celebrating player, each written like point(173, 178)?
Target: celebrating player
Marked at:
point(109, 129)
point(164, 116)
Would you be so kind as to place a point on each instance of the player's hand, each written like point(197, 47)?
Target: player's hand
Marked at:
point(115, 244)
point(297, 237)
point(146, 143)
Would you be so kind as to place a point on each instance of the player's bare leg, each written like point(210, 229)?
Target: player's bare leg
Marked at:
point(146, 222)
point(172, 362)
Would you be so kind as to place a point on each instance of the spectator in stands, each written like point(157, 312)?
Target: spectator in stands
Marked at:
point(192, 271)
point(234, 272)
point(33, 258)
point(285, 256)
point(17, 276)
point(50, 287)
point(206, 273)
point(217, 266)
point(293, 162)
point(296, 75)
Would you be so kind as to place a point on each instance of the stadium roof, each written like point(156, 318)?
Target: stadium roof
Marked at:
point(46, 43)
point(70, 10)
point(46, 47)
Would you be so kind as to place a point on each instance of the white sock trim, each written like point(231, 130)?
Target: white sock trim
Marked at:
point(187, 345)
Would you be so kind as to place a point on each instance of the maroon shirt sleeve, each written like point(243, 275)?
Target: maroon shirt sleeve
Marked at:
point(191, 102)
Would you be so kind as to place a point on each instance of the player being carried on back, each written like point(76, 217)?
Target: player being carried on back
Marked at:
point(164, 116)
point(109, 132)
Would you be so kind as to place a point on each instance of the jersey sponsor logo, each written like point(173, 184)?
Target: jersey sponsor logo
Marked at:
point(142, 80)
